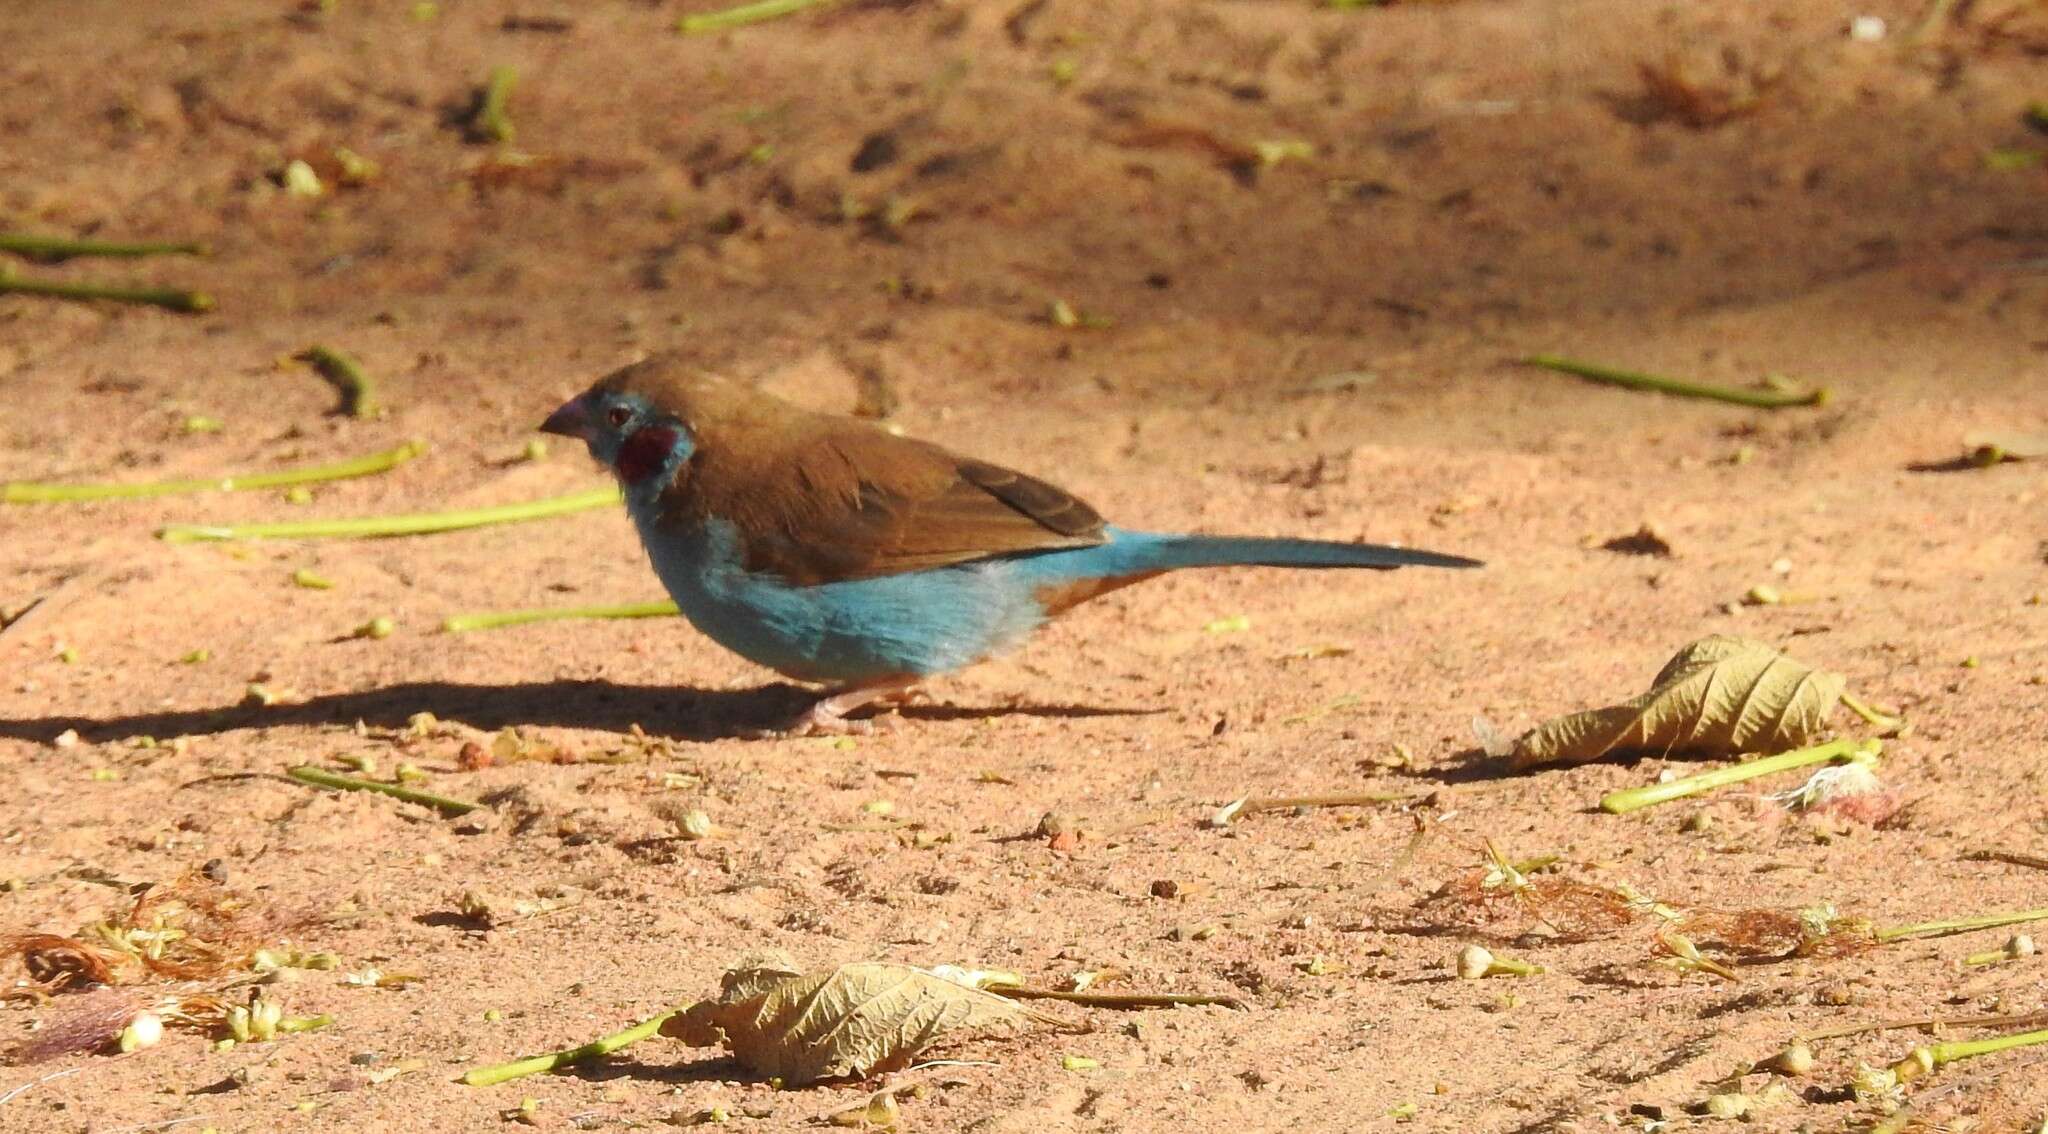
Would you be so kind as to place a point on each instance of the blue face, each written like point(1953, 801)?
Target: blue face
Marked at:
point(626, 434)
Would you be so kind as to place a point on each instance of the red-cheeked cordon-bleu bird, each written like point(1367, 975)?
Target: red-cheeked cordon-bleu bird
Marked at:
point(835, 552)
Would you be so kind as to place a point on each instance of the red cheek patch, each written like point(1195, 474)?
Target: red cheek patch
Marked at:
point(645, 452)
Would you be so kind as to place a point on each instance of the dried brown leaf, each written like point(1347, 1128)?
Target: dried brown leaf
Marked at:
point(1719, 696)
point(783, 1023)
point(1570, 909)
point(56, 963)
point(1768, 934)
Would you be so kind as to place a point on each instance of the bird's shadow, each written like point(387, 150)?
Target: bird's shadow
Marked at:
point(681, 712)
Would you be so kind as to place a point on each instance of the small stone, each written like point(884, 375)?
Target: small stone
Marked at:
point(482, 821)
point(1165, 888)
point(696, 825)
point(300, 180)
point(1728, 1105)
point(474, 757)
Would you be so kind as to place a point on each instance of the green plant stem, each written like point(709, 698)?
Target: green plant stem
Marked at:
point(1871, 714)
point(1636, 380)
point(292, 1024)
point(1113, 999)
point(368, 527)
point(173, 299)
point(321, 777)
point(493, 122)
point(1964, 1049)
point(603, 1045)
point(491, 620)
point(742, 15)
point(312, 474)
point(1957, 925)
point(1634, 799)
point(358, 393)
point(64, 247)
point(1934, 1056)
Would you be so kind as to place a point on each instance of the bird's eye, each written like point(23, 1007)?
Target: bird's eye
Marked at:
point(619, 416)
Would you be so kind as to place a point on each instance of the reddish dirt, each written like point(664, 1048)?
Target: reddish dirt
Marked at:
point(1489, 178)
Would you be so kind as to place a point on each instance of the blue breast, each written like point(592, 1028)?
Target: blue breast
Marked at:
point(922, 622)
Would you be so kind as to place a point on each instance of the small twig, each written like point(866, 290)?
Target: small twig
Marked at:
point(321, 777)
point(422, 523)
point(1934, 1023)
point(1239, 808)
point(10, 621)
point(492, 122)
point(2013, 857)
point(172, 299)
point(1957, 925)
point(145, 1127)
point(1337, 799)
point(727, 18)
point(166, 1124)
point(1634, 799)
point(64, 247)
point(32, 1083)
point(358, 393)
point(491, 620)
point(241, 482)
point(1636, 380)
point(534, 1065)
point(1124, 1000)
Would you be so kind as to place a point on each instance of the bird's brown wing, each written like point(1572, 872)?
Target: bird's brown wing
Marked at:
point(828, 500)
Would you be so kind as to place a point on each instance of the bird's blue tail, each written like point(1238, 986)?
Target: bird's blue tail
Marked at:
point(1151, 551)
point(1168, 552)
point(1074, 575)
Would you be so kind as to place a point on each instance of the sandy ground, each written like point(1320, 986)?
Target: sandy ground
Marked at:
point(1321, 347)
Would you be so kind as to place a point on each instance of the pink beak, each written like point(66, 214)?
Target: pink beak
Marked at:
point(572, 420)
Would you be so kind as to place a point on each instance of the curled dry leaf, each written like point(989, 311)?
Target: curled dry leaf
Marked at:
point(853, 1020)
point(1719, 696)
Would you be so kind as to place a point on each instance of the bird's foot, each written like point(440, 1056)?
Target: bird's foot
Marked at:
point(815, 721)
point(907, 695)
point(827, 716)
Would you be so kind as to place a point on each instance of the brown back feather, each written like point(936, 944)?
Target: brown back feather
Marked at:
point(818, 498)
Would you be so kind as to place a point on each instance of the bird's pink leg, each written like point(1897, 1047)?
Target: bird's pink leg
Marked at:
point(827, 715)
